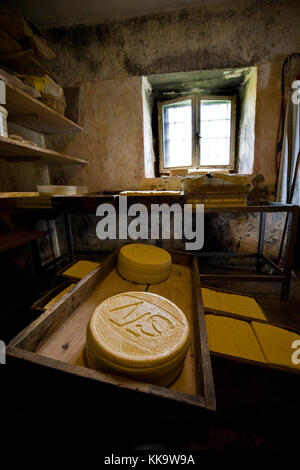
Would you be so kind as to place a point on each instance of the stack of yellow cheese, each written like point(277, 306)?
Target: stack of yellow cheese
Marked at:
point(144, 264)
point(139, 335)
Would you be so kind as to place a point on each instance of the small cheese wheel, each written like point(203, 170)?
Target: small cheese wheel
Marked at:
point(140, 335)
point(144, 264)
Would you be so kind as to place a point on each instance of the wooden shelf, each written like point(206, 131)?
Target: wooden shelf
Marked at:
point(29, 112)
point(15, 151)
point(11, 240)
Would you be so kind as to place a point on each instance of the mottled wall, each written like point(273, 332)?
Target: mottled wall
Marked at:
point(229, 34)
point(246, 134)
point(112, 137)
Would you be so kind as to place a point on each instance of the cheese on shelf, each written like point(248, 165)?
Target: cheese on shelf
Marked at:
point(276, 343)
point(144, 264)
point(58, 296)
point(139, 335)
point(81, 269)
point(231, 303)
point(232, 337)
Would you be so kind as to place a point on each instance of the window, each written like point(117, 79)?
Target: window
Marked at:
point(197, 132)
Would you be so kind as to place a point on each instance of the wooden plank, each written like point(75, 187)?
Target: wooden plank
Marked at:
point(32, 113)
point(11, 240)
point(47, 323)
point(202, 350)
point(7, 43)
point(13, 150)
point(25, 62)
point(68, 342)
point(242, 277)
point(178, 289)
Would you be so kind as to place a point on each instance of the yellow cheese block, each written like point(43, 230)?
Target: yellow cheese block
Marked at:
point(144, 264)
point(233, 337)
point(58, 296)
point(81, 269)
point(140, 335)
point(231, 303)
point(276, 343)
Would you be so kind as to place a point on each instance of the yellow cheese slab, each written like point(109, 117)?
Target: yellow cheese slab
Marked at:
point(140, 335)
point(231, 303)
point(233, 337)
point(144, 264)
point(276, 343)
point(58, 296)
point(81, 269)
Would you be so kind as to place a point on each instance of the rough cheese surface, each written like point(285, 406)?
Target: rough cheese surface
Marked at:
point(276, 343)
point(81, 269)
point(140, 335)
point(231, 303)
point(144, 264)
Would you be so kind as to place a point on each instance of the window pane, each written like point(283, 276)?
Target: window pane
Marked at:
point(177, 134)
point(215, 128)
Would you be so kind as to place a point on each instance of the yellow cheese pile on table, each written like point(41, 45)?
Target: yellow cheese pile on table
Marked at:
point(233, 337)
point(144, 264)
point(139, 335)
point(276, 343)
point(81, 269)
point(231, 303)
point(58, 296)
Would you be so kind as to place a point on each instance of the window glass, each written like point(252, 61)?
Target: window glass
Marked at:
point(215, 128)
point(177, 134)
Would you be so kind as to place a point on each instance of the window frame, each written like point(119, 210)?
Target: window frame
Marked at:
point(196, 119)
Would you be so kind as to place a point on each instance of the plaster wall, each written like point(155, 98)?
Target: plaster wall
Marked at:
point(227, 34)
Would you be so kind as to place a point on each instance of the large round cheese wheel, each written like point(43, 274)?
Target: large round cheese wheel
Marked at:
point(140, 335)
point(144, 264)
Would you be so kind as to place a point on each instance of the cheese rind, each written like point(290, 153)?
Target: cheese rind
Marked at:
point(81, 269)
point(232, 337)
point(144, 264)
point(140, 335)
point(276, 343)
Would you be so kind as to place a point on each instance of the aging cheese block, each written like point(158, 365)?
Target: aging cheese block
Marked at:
point(231, 303)
point(144, 264)
point(58, 296)
point(232, 337)
point(81, 269)
point(140, 335)
point(276, 343)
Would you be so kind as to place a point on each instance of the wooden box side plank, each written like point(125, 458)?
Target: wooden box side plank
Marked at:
point(44, 326)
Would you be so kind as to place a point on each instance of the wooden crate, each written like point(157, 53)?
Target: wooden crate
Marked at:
point(49, 353)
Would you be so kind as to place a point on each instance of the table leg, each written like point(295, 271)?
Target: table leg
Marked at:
point(261, 240)
point(68, 225)
point(289, 251)
point(36, 259)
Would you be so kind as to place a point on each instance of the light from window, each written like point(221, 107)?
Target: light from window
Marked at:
point(177, 134)
point(215, 125)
